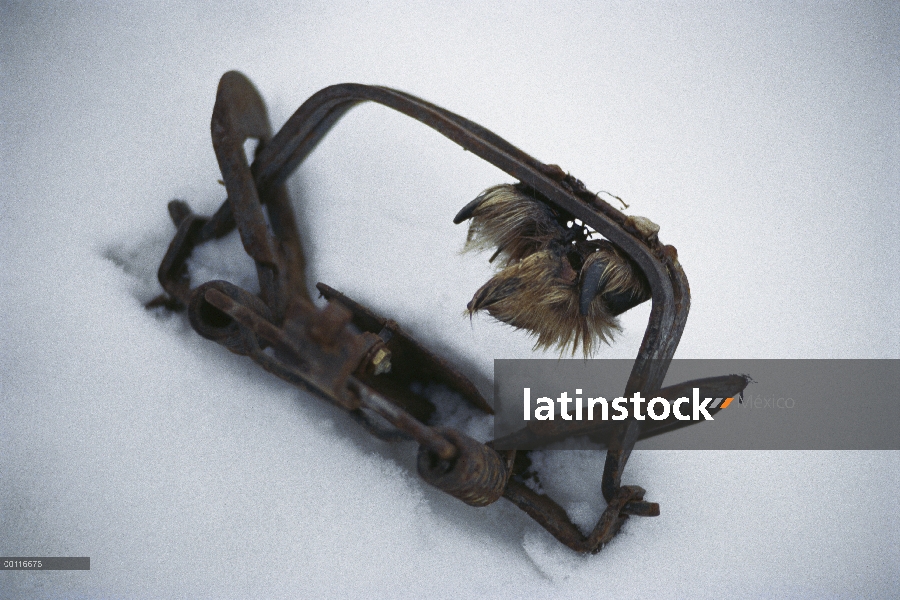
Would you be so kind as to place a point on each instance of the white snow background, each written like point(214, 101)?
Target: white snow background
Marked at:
point(762, 137)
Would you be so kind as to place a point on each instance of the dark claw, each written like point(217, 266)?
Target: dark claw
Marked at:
point(467, 210)
point(591, 279)
point(590, 285)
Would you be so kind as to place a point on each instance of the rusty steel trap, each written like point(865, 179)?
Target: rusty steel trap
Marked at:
point(557, 279)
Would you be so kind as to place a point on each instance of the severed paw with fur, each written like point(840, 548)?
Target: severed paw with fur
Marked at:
point(554, 280)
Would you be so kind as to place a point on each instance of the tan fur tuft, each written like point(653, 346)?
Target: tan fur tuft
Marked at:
point(508, 219)
point(543, 262)
point(540, 294)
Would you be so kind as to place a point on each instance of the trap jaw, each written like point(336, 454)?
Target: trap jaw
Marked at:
point(364, 363)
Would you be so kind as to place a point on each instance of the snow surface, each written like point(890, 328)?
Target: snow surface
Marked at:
point(762, 137)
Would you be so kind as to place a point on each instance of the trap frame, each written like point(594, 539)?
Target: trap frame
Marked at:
point(366, 364)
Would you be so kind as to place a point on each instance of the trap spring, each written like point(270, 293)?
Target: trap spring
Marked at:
point(366, 364)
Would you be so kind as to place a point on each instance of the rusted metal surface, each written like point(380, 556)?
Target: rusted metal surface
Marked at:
point(366, 364)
